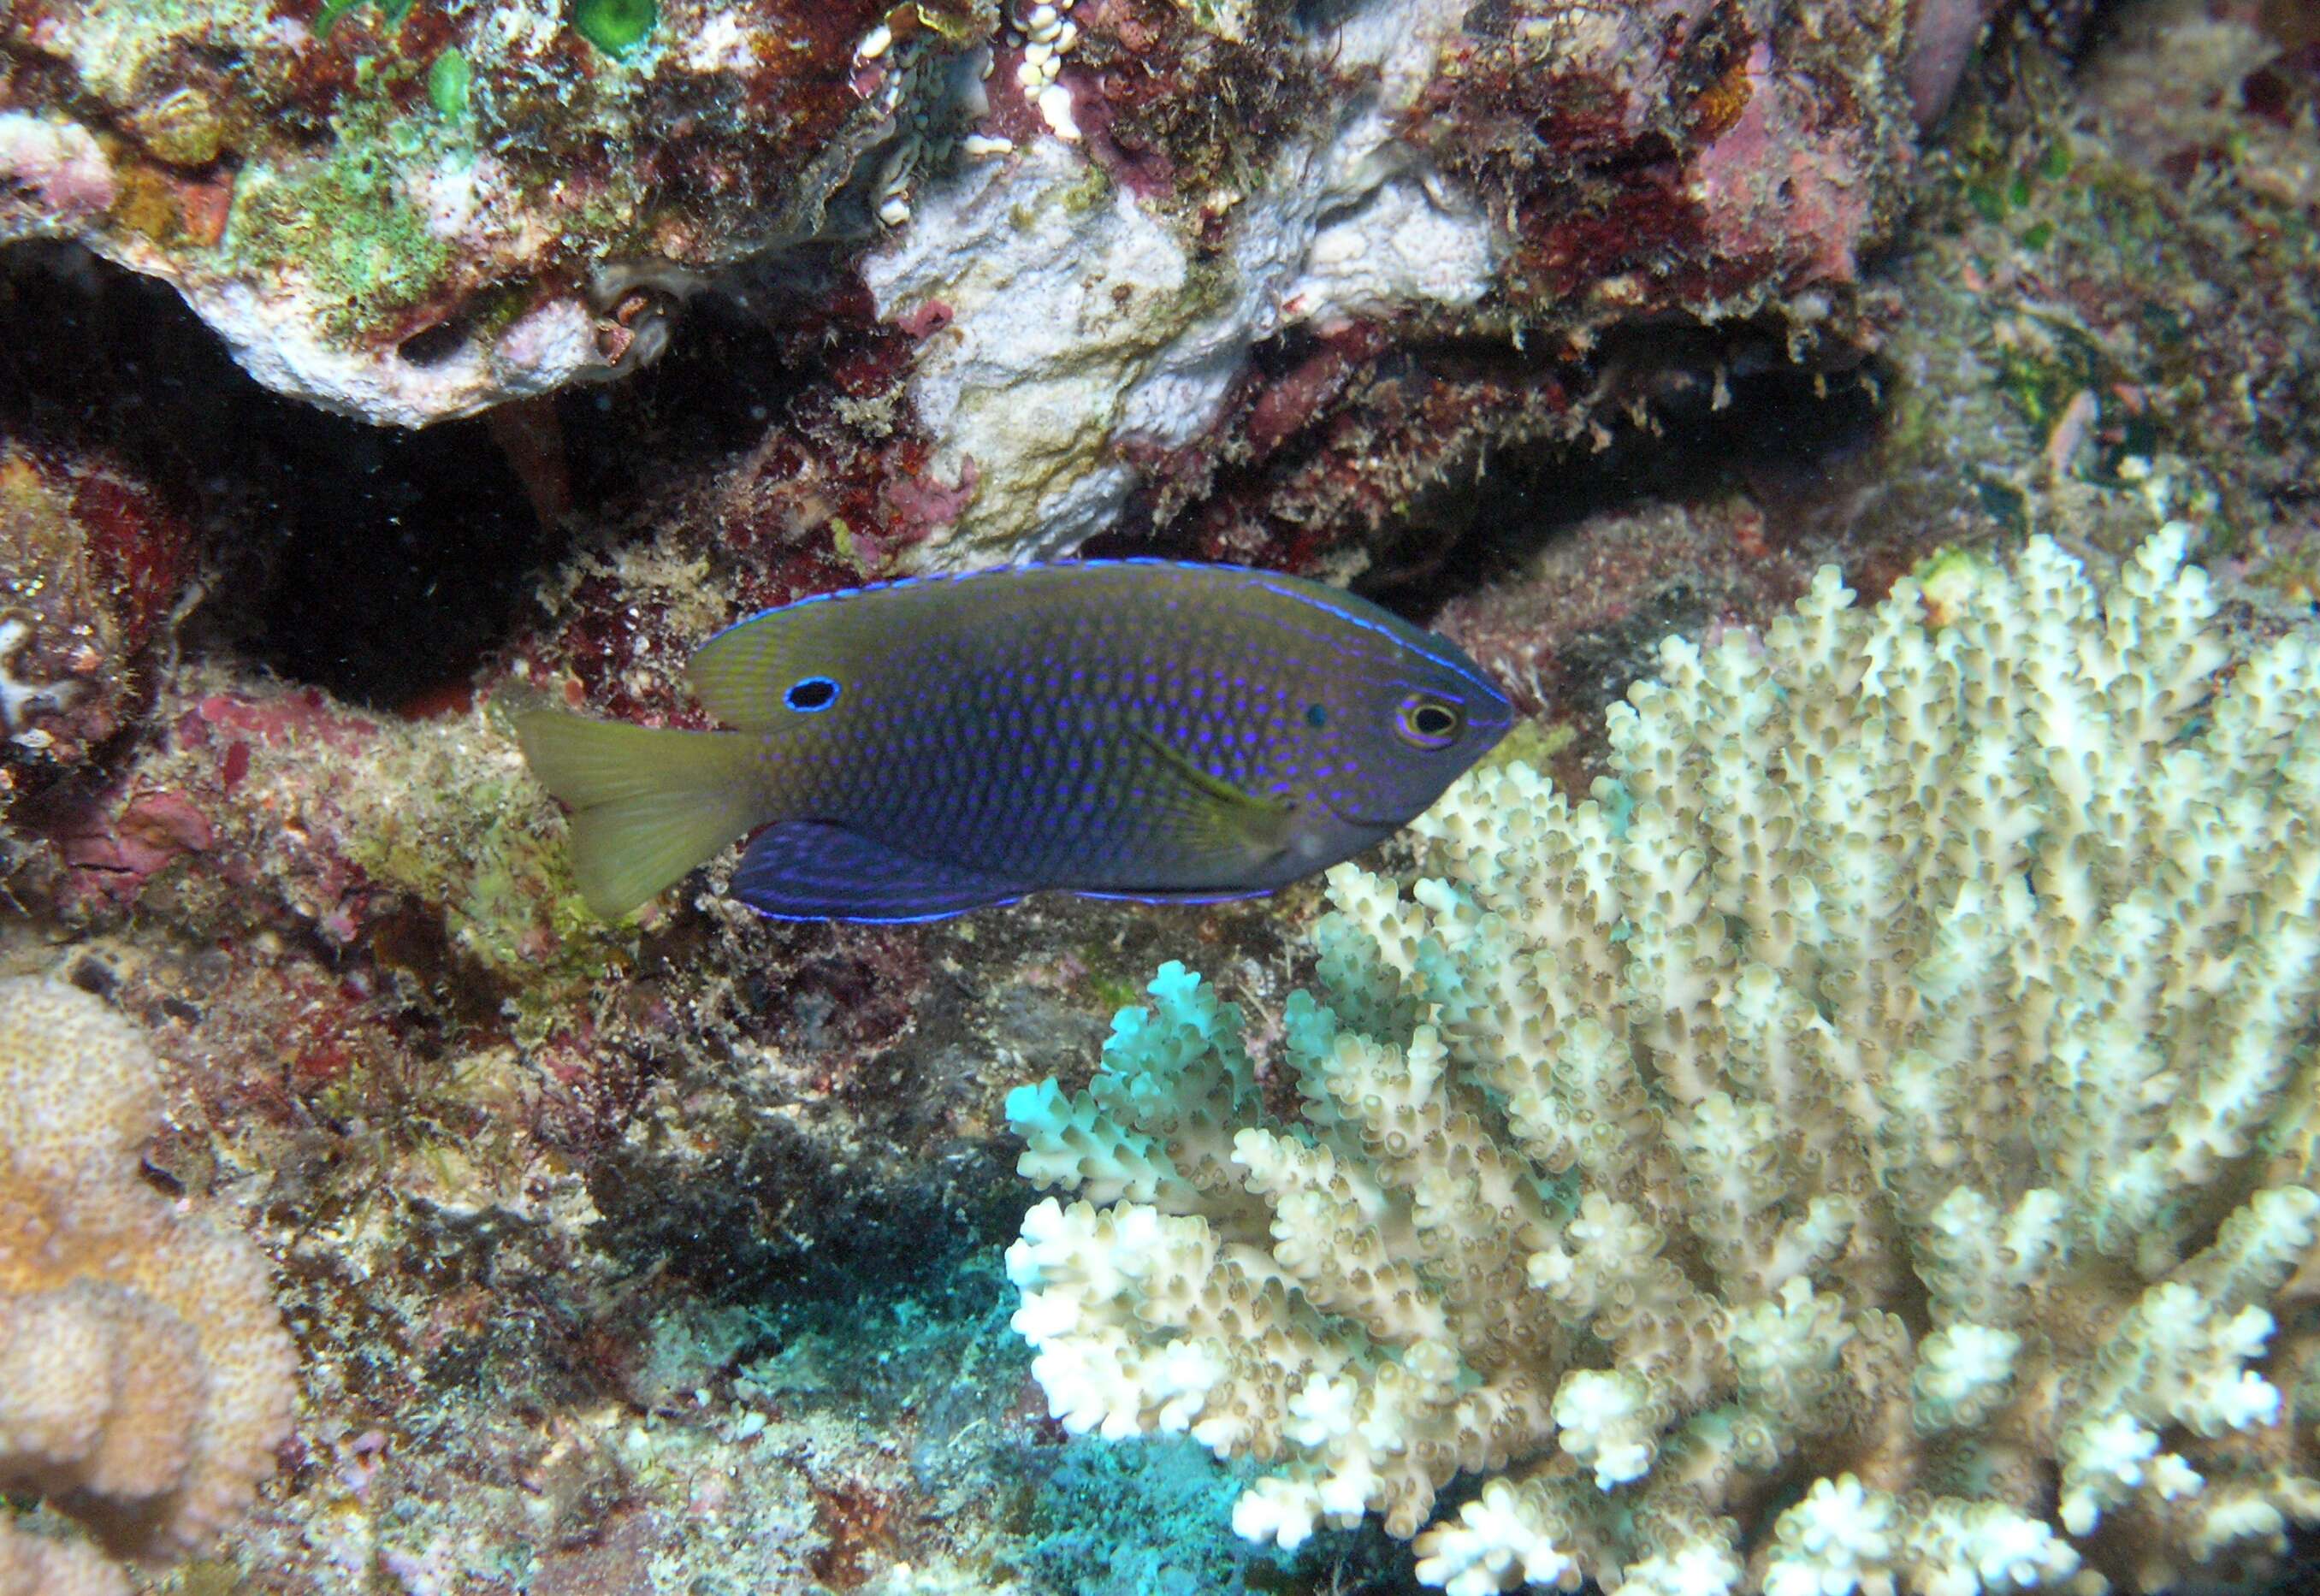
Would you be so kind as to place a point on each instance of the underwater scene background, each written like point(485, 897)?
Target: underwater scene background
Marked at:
point(1830, 1103)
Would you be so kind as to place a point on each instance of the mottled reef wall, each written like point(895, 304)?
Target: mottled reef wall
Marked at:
point(373, 369)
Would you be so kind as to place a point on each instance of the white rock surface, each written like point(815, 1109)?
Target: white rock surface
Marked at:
point(1080, 320)
point(274, 343)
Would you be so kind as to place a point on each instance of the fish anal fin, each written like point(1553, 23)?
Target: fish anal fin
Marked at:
point(814, 870)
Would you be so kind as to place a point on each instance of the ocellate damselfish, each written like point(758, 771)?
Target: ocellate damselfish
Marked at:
point(1136, 728)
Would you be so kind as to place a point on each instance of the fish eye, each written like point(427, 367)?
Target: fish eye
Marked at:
point(810, 695)
point(1315, 716)
point(1429, 722)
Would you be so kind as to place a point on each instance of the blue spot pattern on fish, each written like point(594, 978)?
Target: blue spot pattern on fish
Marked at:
point(916, 748)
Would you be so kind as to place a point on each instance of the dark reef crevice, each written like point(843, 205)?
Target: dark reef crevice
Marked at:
point(388, 567)
point(1784, 422)
point(375, 563)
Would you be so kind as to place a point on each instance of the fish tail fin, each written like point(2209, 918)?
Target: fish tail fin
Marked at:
point(648, 804)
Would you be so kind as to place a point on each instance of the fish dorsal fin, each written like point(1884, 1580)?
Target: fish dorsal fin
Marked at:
point(1202, 812)
point(742, 675)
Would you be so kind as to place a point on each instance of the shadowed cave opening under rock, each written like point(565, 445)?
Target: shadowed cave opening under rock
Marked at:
point(1783, 421)
point(385, 565)
point(372, 562)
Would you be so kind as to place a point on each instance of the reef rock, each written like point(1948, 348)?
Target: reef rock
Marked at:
point(402, 211)
point(1514, 181)
point(1137, 254)
point(92, 560)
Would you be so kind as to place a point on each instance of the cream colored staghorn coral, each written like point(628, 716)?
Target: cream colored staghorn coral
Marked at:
point(145, 1377)
point(1870, 1145)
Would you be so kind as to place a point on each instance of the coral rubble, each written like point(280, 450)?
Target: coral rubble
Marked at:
point(1871, 1141)
point(145, 1377)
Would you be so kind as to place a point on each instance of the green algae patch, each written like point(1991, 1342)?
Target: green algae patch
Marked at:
point(457, 824)
point(392, 14)
point(616, 27)
point(345, 225)
point(1227, 19)
point(1951, 580)
point(449, 83)
point(326, 17)
point(1531, 742)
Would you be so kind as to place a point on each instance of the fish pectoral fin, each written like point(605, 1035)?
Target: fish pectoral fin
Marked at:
point(1205, 812)
point(815, 870)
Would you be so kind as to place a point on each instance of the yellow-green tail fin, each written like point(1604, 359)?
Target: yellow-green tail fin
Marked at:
point(648, 804)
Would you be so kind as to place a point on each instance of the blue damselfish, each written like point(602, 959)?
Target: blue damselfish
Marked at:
point(1117, 728)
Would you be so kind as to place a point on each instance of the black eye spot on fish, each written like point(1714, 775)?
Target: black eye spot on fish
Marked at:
point(1315, 716)
point(811, 694)
point(1427, 721)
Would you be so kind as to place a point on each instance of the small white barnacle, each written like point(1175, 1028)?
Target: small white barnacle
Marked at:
point(894, 178)
point(874, 43)
point(1056, 108)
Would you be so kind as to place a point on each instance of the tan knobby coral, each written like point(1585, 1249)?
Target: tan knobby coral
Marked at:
point(145, 1376)
point(35, 1566)
point(1870, 1144)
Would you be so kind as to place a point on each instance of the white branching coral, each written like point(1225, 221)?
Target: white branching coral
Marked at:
point(1873, 1145)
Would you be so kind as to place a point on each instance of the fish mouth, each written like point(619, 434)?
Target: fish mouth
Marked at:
point(1379, 827)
